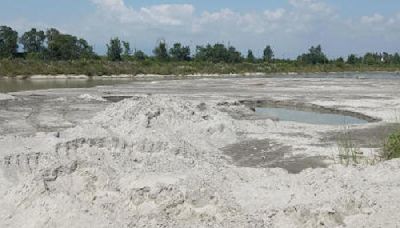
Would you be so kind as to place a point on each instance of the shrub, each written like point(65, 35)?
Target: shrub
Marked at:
point(391, 149)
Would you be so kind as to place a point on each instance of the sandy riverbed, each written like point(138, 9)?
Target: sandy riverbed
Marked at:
point(170, 156)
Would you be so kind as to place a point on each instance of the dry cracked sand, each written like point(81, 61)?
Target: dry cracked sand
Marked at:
point(190, 154)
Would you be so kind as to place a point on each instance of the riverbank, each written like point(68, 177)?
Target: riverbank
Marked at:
point(91, 68)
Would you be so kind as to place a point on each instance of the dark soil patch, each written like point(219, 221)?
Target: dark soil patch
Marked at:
point(267, 154)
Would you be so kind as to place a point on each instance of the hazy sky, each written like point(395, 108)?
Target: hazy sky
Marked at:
point(289, 26)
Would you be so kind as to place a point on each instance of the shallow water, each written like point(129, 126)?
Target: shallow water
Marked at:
point(12, 85)
point(288, 114)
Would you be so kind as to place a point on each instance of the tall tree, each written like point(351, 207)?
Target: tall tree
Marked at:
point(179, 52)
point(66, 47)
point(353, 59)
point(218, 53)
point(161, 52)
point(314, 56)
point(8, 42)
point(85, 51)
point(139, 55)
point(33, 41)
point(114, 50)
point(250, 56)
point(396, 58)
point(127, 48)
point(372, 58)
point(268, 54)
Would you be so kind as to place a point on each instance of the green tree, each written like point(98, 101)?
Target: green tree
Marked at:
point(314, 56)
point(234, 56)
point(139, 55)
point(396, 58)
point(127, 48)
point(339, 62)
point(372, 58)
point(250, 56)
point(179, 52)
point(85, 51)
point(33, 41)
point(161, 52)
point(353, 59)
point(8, 42)
point(268, 54)
point(217, 53)
point(66, 47)
point(114, 50)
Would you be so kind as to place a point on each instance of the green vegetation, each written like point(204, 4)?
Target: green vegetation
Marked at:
point(52, 52)
point(349, 152)
point(8, 42)
point(268, 54)
point(114, 50)
point(391, 149)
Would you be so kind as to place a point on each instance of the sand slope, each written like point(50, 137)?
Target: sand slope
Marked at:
point(155, 161)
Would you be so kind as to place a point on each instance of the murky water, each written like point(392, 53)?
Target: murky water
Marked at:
point(10, 85)
point(288, 114)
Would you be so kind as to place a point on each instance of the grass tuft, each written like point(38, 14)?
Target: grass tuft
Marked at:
point(391, 148)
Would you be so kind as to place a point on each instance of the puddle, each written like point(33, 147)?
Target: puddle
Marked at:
point(267, 154)
point(309, 117)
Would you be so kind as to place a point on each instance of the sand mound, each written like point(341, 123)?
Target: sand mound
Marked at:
point(145, 159)
point(89, 97)
point(155, 162)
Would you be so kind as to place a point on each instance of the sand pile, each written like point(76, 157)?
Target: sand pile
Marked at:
point(155, 162)
point(144, 160)
point(89, 97)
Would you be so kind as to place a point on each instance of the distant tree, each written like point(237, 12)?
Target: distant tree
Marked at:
point(60, 46)
point(8, 42)
point(396, 58)
point(234, 55)
point(66, 47)
point(386, 57)
point(114, 50)
point(353, 59)
point(139, 55)
point(127, 48)
point(268, 54)
point(33, 41)
point(217, 53)
point(372, 58)
point(339, 62)
point(179, 52)
point(85, 51)
point(250, 56)
point(161, 52)
point(314, 56)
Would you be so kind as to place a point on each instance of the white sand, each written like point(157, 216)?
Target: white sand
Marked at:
point(155, 162)
point(6, 97)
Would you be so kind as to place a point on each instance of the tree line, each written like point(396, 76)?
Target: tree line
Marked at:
point(54, 45)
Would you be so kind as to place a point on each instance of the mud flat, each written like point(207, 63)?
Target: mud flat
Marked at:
point(191, 153)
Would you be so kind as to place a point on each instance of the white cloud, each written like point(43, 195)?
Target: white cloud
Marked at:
point(315, 6)
point(376, 18)
point(165, 14)
point(290, 30)
point(274, 15)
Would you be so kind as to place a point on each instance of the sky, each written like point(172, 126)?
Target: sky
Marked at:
point(289, 26)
